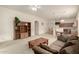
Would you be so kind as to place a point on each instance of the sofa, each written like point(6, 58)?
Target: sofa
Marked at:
point(70, 46)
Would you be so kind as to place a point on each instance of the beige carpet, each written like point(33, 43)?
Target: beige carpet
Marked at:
point(21, 46)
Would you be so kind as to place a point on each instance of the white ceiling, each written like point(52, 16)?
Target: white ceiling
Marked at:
point(48, 11)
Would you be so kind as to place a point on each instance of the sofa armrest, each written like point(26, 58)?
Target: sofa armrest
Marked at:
point(39, 50)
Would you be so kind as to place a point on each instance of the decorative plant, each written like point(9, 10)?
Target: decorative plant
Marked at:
point(17, 20)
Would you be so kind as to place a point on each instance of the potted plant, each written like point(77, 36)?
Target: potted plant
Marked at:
point(17, 20)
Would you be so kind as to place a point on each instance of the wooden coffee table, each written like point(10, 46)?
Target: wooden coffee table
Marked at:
point(37, 42)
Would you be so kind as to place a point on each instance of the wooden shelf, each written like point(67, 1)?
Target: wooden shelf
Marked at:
point(22, 30)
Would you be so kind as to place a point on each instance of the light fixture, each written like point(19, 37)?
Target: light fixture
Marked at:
point(35, 7)
point(62, 21)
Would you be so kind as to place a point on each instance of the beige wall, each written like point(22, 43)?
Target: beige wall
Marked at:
point(6, 23)
point(77, 18)
point(78, 26)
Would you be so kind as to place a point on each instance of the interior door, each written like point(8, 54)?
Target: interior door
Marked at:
point(36, 28)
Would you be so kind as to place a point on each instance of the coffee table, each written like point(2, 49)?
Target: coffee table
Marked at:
point(37, 42)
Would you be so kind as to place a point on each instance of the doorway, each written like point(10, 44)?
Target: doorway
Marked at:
point(36, 28)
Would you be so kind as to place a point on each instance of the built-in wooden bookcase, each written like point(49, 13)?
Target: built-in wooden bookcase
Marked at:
point(22, 30)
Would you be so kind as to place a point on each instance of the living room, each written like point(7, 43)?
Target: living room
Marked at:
point(62, 20)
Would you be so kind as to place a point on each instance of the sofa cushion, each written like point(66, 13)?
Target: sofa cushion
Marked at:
point(48, 48)
point(74, 49)
point(59, 43)
point(62, 38)
point(39, 50)
point(68, 44)
point(73, 37)
point(74, 42)
point(55, 47)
